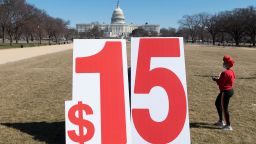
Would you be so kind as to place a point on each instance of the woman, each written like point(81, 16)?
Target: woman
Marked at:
point(225, 83)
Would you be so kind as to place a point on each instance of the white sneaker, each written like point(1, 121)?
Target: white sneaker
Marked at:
point(220, 123)
point(227, 127)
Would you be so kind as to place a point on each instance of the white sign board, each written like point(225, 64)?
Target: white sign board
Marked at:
point(159, 91)
point(99, 111)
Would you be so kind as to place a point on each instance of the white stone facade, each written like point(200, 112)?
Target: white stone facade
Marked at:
point(118, 28)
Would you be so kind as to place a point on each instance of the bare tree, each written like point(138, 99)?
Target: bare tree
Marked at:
point(203, 19)
point(41, 24)
point(212, 26)
point(191, 23)
point(71, 33)
point(183, 32)
point(250, 23)
point(4, 15)
point(17, 18)
point(55, 28)
point(96, 32)
point(238, 25)
point(153, 34)
point(232, 23)
point(29, 27)
point(18, 13)
point(170, 32)
point(139, 33)
point(49, 28)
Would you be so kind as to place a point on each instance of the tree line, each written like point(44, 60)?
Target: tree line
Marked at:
point(95, 32)
point(20, 20)
point(235, 26)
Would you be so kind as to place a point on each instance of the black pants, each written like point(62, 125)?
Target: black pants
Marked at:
point(129, 80)
point(222, 104)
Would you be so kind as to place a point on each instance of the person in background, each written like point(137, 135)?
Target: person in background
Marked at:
point(225, 82)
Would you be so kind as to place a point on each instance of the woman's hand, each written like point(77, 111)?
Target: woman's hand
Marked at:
point(215, 78)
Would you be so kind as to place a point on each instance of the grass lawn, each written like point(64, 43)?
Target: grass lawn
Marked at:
point(33, 91)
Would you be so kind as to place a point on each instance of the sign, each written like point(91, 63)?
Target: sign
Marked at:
point(99, 111)
point(159, 91)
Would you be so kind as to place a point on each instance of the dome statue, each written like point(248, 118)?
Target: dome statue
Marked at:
point(118, 16)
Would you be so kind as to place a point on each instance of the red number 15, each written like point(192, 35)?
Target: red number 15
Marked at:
point(109, 64)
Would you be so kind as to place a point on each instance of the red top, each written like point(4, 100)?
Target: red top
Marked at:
point(226, 80)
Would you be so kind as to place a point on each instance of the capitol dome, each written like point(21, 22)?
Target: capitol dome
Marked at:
point(118, 16)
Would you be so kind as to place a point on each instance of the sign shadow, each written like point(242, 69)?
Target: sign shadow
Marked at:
point(203, 125)
point(48, 132)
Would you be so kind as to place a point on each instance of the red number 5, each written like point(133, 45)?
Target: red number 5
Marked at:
point(167, 130)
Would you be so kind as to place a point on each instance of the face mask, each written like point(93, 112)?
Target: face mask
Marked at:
point(225, 66)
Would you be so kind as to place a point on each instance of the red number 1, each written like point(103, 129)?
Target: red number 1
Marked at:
point(109, 64)
point(167, 130)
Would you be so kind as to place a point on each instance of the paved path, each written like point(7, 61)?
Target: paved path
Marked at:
point(16, 54)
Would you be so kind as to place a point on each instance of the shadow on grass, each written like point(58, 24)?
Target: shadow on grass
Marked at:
point(203, 125)
point(205, 76)
point(248, 78)
point(209, 76)
point(51, 133)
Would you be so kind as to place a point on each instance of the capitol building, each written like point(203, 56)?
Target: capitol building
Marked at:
point(118, 27)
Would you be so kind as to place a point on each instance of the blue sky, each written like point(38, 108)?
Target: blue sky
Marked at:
point(167, 13)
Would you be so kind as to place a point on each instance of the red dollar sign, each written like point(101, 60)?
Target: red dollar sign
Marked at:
point(82, 123)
